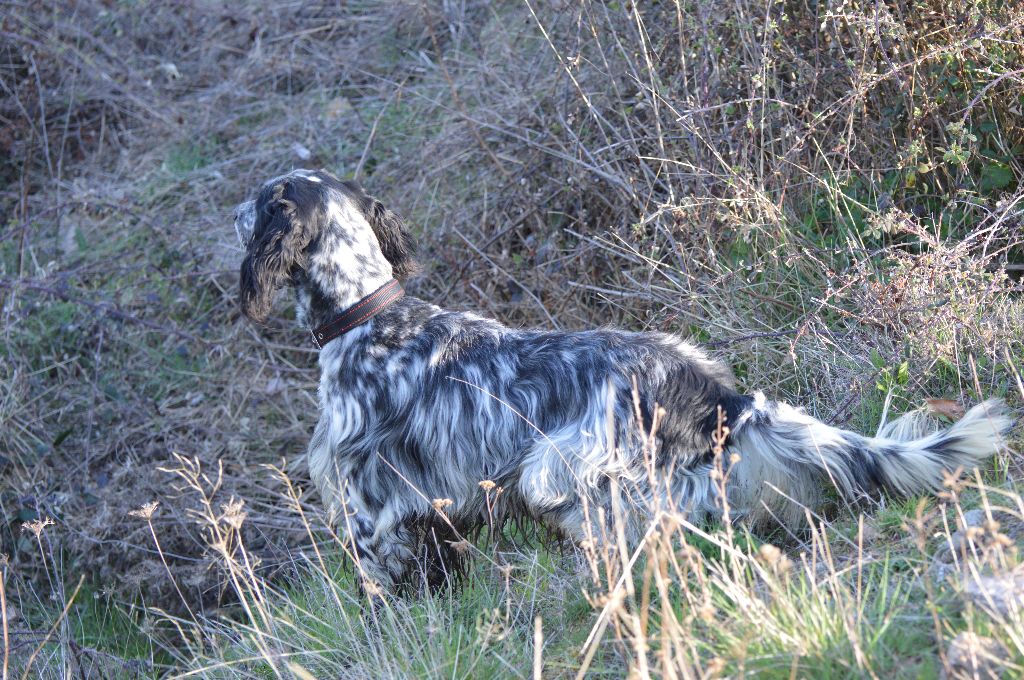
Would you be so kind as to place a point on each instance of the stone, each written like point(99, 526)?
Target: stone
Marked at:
point(976, 657)
point(998, 594)
point(975, 532)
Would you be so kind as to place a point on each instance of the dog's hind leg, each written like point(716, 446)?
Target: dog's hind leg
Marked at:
point(562, 488)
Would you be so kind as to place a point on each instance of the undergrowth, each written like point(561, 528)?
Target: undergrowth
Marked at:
point(828, 195)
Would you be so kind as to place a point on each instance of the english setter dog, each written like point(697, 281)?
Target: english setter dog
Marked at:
point(419, 405)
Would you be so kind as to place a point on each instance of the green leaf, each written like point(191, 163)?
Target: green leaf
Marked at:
point(995, 176)
point(59, 439)
point(903, 374)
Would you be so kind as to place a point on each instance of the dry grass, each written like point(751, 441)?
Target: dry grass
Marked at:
point(828, 194)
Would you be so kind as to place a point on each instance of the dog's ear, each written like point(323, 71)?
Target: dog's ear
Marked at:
point(279, 240)
point(395, 240)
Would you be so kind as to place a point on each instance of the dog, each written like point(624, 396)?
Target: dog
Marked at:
point(427, 413)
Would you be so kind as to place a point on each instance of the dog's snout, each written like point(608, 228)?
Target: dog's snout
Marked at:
point(244, 221)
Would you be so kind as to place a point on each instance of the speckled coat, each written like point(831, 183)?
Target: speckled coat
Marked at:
point(419, 405)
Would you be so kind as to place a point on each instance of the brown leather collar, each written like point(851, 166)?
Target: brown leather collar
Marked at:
point(358, 313)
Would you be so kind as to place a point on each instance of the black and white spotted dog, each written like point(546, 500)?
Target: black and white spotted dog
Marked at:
point(419, 404)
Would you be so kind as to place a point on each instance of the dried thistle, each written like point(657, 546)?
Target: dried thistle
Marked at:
point(233, 514)
point(146, 511)
point(37, 526)
point(461, 547)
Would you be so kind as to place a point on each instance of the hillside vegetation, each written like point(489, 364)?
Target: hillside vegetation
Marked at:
point(826, 194)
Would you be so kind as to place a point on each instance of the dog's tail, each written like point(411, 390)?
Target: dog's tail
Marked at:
point(786, 457)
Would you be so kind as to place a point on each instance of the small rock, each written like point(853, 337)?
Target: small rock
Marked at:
point(170, 70)
point(974, 656)
point(999, 594)
point(975, 532)
point(302, 152)
point(973, 519)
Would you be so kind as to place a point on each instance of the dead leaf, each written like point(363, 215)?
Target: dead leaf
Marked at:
point(336, 108)
point(945, 407)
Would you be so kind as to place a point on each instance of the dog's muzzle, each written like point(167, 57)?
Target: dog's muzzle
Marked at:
point(245, 222)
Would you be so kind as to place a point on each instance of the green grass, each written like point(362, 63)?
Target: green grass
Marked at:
point(854, 615)
point(483, 628)
point(810, 615)
point(187, 157)
point(100, 623)
point(102, 636)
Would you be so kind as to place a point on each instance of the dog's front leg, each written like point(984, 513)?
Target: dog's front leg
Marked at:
point(384, 550)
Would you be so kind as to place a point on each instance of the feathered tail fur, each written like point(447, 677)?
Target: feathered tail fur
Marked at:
point(787, 458)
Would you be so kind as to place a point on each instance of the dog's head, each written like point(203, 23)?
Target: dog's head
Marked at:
point(324, 236)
